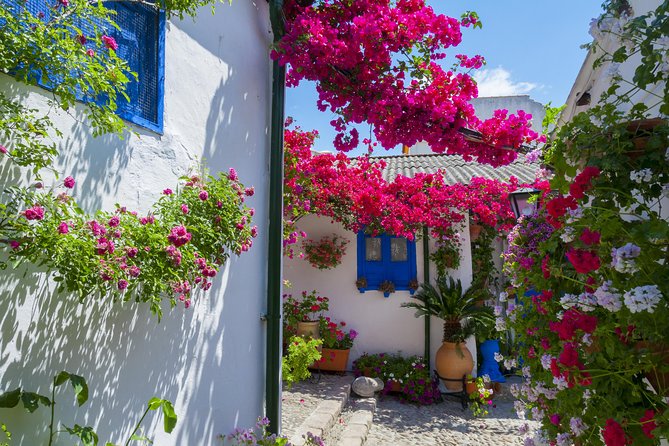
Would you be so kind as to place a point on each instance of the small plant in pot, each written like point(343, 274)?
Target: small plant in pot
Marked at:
point(387, 287)
point(361, 284)
point(461, 315)
point(301, 316)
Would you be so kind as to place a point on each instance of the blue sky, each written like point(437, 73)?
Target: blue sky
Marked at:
point(531, 47)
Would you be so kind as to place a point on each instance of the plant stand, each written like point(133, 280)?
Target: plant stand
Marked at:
point(461, 395)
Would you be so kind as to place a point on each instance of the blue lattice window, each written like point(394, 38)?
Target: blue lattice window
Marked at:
point(386, 258)
point(141, 42)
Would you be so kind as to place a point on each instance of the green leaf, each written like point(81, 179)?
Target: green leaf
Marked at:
point(61, 378)
point(136, 437)
point(155, 403)
point(170, 416)
point(10, 399)
point(80, 388)
point(86, 434)
point(31, 401)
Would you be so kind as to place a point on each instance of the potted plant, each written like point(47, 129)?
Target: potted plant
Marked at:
point(361, 284)
point(337, 343)
point(299, 355)
point(325, 253)
point(387, 287)
point(302, 315)
point(460, 315)
point(488, 342)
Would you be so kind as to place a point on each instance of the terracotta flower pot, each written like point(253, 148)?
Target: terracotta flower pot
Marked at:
point(453, 362)
point(308, 329)
point(474, 232)
point(332, 360)
point(395, 386)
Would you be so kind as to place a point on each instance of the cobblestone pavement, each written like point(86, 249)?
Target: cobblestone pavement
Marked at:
point(444, 424)
point(301, 400)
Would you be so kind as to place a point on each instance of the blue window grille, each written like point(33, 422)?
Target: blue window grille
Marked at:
point(141, 42)
point(386, 258)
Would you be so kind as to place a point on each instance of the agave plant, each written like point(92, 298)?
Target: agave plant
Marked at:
point(459, 311)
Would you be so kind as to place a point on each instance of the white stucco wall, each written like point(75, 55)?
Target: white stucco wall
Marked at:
point(208, 360)
point(597, 81)
point(383, 325)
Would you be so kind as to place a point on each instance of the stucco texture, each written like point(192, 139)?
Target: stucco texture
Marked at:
point(209, 359)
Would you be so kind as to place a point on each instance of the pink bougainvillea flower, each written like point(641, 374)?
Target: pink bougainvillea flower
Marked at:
point(232, 174)
point(104, 246)
point(69, 182)
point(90, 52)
point(203, 195)
point(109, 43)
point(122, 284)
point(81, 39)
point(114, 221)
point(14, 244)
point(3, 149)
point(184, 208)
point(167, 191)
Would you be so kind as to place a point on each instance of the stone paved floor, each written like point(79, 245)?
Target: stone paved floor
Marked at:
point(397, 424)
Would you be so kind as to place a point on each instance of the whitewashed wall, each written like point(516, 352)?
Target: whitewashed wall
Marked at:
point(209, 360)
point(383, 325)
point(597, 81)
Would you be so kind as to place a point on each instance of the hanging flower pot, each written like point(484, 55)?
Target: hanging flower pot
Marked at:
point(474, 231)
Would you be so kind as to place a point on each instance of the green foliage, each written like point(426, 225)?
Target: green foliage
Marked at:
point(447, 301)
point(123, 255)
point(302, 353)
point(7, 434)
point(85, 434)
point(446, 256)
point(480, 400)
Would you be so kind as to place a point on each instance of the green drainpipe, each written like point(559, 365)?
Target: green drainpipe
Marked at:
point(426, 277)
point(274, 258)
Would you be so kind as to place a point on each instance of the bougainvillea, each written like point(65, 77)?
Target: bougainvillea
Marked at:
point(591, 288)
point(377, 61)
point(354, 193)
point(170, 252)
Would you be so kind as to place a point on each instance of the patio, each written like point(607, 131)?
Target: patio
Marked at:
point(396, 423)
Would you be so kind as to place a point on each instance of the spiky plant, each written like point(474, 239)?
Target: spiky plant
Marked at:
point(459, 311)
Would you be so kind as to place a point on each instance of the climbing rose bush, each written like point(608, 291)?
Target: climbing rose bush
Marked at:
point(377, 61)
point(168, 253)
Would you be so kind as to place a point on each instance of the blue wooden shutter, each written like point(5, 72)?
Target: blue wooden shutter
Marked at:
point(141, 42)
point(399, 272)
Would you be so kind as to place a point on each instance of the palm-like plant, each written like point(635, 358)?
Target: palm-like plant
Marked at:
point(459, 311)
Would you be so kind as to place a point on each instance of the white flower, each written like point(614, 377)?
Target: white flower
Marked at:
point(560, 382)
point(574, 214)
point(515, 390)
point(568, 234)
point(622, 259)
point(537, 414)
point(641, 176)
point(520, 409)
point(524, 429)
point(563, 439)
point(546, 361)
point(499, 357)
point(528, 442)
point(642, 298)
point(587, 339)
point(503, 296)
point(608, 297)
point(500, 324)
point(526, 372)
point(577, 426)
point(498, 310)
point(510, 363)
point(486, 379)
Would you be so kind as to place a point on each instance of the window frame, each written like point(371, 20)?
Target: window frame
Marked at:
point(390, 268)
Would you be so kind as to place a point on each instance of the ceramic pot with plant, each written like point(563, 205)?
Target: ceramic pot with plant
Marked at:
point(302, 315)
point(460, 314)
point(337, 343)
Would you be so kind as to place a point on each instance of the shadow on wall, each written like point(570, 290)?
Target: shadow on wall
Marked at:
point(198, 358)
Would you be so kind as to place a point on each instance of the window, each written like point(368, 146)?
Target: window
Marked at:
point(384, 258)
point(141, 42)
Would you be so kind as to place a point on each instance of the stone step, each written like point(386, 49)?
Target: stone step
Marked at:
point(321, 420)
point(359, 423)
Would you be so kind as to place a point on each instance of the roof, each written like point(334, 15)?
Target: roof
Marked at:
point(456, 170)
